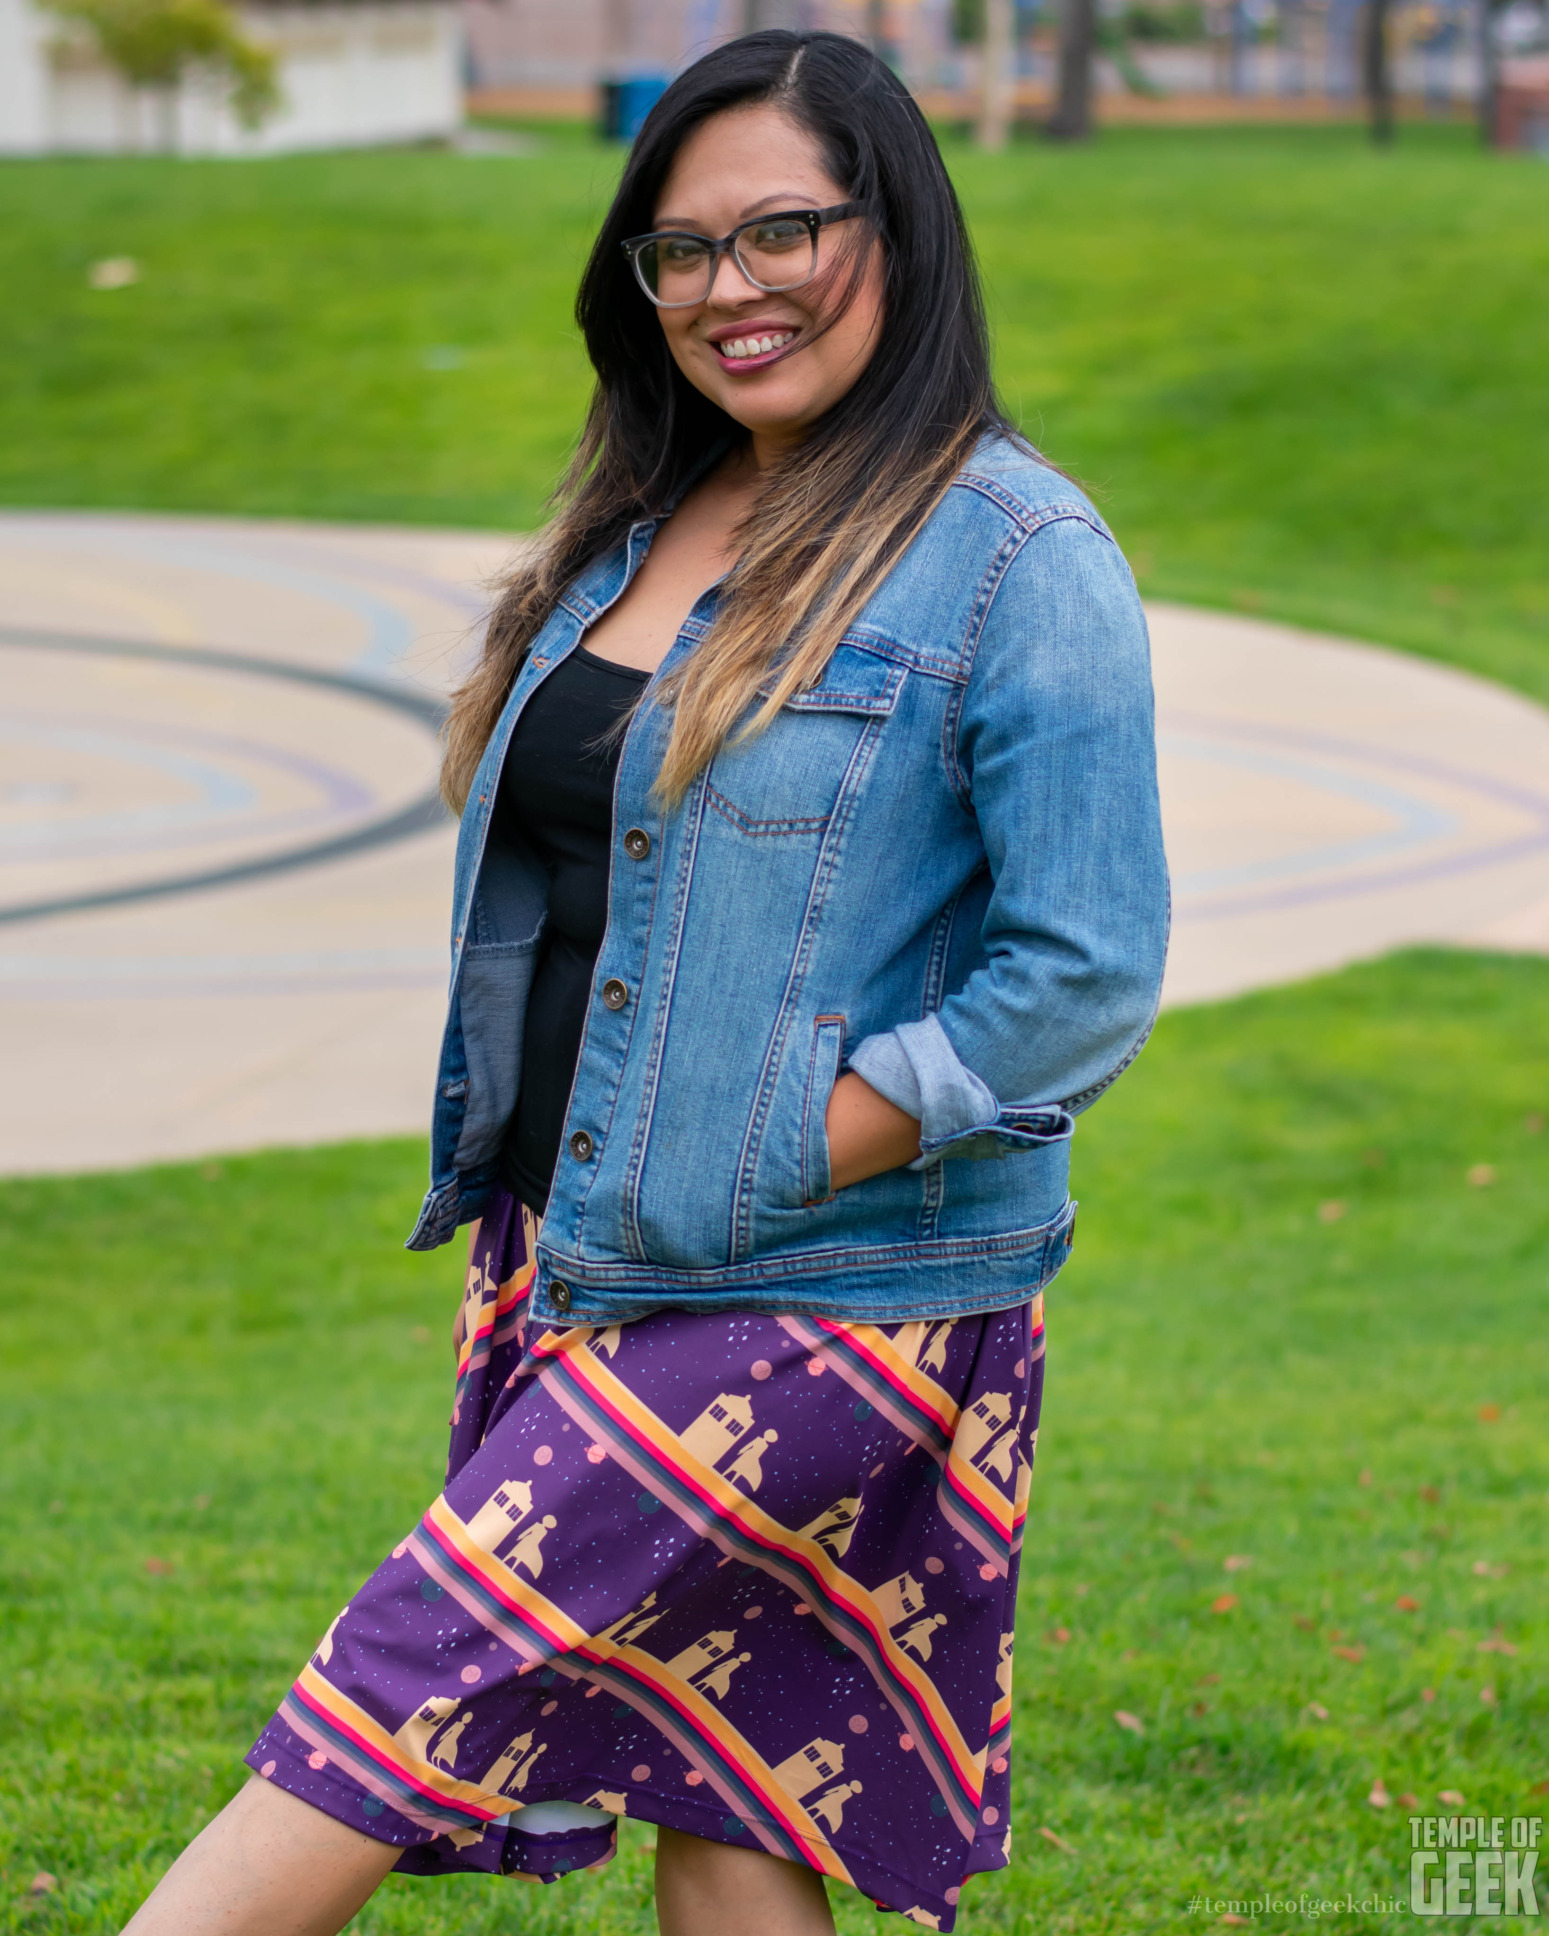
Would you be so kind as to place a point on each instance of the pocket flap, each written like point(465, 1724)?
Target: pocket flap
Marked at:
point(853, 681)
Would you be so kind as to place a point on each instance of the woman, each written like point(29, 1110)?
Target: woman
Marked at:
point(810, 881)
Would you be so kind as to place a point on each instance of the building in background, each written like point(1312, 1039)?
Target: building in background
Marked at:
point(1158, 60)
point(548, 57)
point(351, 73)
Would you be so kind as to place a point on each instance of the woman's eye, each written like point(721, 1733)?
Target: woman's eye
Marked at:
point(680, 253)
point(775, 236)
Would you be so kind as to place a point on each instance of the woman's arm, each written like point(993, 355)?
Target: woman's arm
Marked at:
point(866, 1133)
point(1056, 749)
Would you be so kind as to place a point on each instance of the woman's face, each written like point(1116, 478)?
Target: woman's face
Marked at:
point(746, 162)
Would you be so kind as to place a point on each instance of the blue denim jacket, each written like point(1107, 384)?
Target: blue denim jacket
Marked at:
point(941, 867)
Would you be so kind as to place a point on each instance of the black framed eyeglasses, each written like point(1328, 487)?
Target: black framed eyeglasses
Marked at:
point(676, 268)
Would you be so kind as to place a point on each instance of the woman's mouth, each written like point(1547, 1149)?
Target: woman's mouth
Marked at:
point(752, 349)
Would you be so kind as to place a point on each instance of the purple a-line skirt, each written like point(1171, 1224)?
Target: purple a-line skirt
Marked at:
point(749, 1576)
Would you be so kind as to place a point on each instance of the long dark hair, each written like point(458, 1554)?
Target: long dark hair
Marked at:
point(831, 517)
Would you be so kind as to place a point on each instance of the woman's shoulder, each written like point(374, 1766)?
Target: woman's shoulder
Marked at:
point(1009, 479)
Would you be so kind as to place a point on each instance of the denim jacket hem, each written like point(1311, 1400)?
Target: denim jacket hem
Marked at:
point(871, 1283)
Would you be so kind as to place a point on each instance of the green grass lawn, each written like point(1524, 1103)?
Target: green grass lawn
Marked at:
point(233, 1371)
point(1302, 377)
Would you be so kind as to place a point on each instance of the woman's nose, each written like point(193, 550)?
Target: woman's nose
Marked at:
point(732, 293)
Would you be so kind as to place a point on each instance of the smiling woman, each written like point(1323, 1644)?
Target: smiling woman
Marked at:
point(810, 854)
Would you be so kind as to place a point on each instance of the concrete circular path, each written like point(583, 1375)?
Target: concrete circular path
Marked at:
point(224, 881)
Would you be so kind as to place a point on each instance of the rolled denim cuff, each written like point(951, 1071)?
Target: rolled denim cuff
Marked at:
point(916, 1067)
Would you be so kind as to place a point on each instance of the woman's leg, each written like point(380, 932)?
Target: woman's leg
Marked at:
point(268, 1865)
point(707, 1889)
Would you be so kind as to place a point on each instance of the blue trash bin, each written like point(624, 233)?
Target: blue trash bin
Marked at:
point(626, 103)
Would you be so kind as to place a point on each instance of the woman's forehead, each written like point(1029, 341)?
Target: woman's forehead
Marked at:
point(739, 163)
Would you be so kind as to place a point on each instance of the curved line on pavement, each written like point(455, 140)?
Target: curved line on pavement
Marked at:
point(1497, 851)
point(417, 817)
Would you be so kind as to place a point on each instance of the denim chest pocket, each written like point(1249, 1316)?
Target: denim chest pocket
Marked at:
point(792, 776)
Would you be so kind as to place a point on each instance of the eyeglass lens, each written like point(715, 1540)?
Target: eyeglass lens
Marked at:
point(773, 255)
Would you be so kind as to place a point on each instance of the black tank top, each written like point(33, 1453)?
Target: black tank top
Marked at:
point(556, 798)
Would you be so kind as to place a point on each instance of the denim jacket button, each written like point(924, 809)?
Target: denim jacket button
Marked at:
point(637, 843)
point(559, 1295)
point(614, 994)
point(581, 1146)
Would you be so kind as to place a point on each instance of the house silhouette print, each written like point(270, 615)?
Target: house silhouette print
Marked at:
point(506, 1508)
point(899, 1599)
point(704, 1653)
point(810, 1767)
point(508, 1774)
point(833, 1530)
point(717, 1429)
point(415, 1736)
point(980, 1426)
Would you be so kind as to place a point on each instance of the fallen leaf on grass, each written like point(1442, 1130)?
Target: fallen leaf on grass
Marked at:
point(1058, 1840)
point(1223, 1603)
point(1207, 1680)
point(1488, 1414)
point(1228, 1917)
point(1305, 1622)
point(1331, 1211)
point(1431, 1495)
point(1200, 1710)
point(1407, 1603)
point(1534, 1123)
point(113, 272)
point(1539, 1788)
point(1489, 1696)
point(43, 1884)
point(1364, 1476)
point(1057, 1636)
point(159, 1566)
point(1410, 1802)
point(1451, 1797)
point(1317, 1710)
point(1427, 1694)
point(1481, 1175)
point(1354, 1654)
point(1379, 1796)
point(1483, 1570)
point(1495, 1645)
point(421, 1334)
point(1235, 1562)
point(1183, 1545)
point(1127, 1720)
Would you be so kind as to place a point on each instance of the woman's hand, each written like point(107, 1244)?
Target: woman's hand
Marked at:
point(866, 1133)
point(462, 1302)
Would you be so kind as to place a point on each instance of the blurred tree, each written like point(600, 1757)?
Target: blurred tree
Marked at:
point(998, 75)
point(1072, 116)
point(153, 44)
point(1376, 70)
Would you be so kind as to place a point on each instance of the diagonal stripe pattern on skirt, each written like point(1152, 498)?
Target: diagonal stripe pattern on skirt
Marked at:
point(748, 1576)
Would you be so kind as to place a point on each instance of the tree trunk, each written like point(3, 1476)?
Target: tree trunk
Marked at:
point(1072, 117)
point(1489, 75)
point(998, 78)
point(1375, 71)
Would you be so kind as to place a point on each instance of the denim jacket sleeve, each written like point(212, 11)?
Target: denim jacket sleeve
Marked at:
point(1055, 750)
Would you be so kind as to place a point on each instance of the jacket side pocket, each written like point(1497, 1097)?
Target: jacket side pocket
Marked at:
point(822, 1074)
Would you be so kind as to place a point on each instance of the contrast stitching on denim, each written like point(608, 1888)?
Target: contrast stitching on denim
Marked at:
point(1030, 517)
point(1089, 1095)
point(757, 829)
point(692, 820)
point(819, 1257)
point(817, 893)
point(613, 1087)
